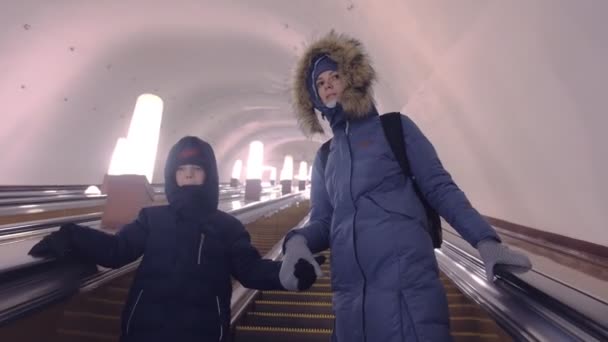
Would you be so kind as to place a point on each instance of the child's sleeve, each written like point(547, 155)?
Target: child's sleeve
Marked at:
point(248, 267)
point(111, 250)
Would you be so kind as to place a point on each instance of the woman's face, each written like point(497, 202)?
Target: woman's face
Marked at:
point(330, 87)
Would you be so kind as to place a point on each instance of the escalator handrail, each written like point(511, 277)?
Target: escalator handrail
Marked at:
point(74, 187)
point(12, 228)
point(8, 231)
point(15, 203)
point(527, 313)
point(42, 204)
point(27, 289)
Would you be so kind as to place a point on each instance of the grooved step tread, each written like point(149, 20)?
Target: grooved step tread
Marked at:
point(282, 302)
point(85, 334)
point(284, 330)
point(290, 315)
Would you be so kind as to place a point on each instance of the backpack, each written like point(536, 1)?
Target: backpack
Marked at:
point(393, 131)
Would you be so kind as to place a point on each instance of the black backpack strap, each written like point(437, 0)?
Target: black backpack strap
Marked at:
point(324, 153)
point(391, 124)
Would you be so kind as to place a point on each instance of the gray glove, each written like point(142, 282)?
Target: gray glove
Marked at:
point(296, 248)
point(494, 254)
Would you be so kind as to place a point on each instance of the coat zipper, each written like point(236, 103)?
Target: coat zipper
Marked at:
point(350, 183)
point(200, 247)
point(219, 313)
point(133, 310)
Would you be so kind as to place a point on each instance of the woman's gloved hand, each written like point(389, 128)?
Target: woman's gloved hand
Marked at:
point(299, 269)
point(496, 255)
point(56, 245)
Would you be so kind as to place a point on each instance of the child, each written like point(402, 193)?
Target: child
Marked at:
point(182, 288)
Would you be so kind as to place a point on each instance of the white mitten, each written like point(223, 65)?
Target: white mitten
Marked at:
point(296, 248)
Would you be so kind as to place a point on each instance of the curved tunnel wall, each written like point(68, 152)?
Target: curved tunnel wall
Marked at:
point(511, 94)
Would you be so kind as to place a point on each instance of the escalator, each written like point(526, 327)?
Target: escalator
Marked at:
point(94, 315)
point(307, 316)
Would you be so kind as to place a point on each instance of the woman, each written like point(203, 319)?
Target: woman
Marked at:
point(385, 278)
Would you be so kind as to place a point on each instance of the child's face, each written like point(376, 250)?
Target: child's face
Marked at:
point(189, 175)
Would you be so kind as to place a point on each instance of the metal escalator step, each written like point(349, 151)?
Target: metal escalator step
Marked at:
point(279, 334)
point(289, 320)
point(102, 306)
point(464, 324)
point(464, 310)
point(322, 295)
point(91, 322)
point(264, 236)
point(265, 243)
point(323, 280)
point(474, 337)
point(80, 336)
point(320, 288)
point(297, 296)
point(453, 292)
point(270, 242)
point(293, 307)
point(124, 281)
point(112, 293)
point(457, 298)
point(450, 288)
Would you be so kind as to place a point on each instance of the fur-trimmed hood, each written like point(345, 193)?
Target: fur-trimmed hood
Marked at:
point(354, 66)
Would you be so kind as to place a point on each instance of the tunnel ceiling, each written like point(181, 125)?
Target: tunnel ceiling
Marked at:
point(71, 71)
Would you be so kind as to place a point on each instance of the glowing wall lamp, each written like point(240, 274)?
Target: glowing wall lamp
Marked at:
point(310, 173)
point(120, 164)
point(235, 181)
point(271, 171)
point(255, 162)
point(287, 175)
point(302, 175)
point(136, 153)
point(273, 175)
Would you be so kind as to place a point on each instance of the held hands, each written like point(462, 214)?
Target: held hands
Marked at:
point(496, 255)
point(299, 269)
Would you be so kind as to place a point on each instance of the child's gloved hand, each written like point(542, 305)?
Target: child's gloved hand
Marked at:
point(56, 244)
point(299, 269)
point(494, 254)
point(305, 272)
